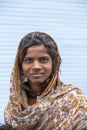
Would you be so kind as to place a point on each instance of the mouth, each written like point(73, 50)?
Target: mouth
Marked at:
point(36, 75)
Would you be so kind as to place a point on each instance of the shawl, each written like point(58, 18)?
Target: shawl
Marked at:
point(63, 107)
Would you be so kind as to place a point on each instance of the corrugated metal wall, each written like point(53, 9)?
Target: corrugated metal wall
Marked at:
point(64, 20)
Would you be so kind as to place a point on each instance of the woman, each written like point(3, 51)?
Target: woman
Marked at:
point(38, 99)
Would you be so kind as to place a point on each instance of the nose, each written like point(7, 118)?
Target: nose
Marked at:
point(36, 65)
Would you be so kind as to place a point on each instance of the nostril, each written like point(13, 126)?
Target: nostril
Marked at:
point(36, 69)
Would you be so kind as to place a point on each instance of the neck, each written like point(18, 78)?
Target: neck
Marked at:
point(32, 101)
point(36, 88)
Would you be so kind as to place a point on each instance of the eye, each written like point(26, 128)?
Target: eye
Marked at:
point(44, 59)
point(28, 60)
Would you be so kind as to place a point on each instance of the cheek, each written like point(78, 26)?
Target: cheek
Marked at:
point(24, 68)
point(49, 68)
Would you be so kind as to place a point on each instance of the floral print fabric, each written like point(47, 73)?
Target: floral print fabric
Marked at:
point(63, 108)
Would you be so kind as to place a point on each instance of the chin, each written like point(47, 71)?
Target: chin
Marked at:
point(38, 81)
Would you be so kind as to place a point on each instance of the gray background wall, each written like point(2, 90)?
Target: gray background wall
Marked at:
point(64, 20)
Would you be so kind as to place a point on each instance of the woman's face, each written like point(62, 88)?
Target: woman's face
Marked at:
point(37, 64)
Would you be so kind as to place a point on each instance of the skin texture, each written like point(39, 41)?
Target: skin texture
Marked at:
point(37, 66)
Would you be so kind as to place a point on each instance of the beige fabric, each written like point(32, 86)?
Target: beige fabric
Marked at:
point(59, 108)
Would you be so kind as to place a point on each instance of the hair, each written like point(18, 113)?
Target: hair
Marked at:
point(31, 39)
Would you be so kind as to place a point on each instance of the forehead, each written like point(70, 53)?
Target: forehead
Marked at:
point(37, 50)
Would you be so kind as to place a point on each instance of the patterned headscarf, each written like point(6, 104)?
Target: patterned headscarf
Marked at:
point(59, 107)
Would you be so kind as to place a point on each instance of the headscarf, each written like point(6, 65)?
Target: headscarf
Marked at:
point(59, 107)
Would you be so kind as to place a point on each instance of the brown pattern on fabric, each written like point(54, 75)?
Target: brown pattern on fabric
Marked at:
point(63, 108)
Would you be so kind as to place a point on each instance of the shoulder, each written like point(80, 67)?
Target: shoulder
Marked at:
point(75, 94)
point(71, 91)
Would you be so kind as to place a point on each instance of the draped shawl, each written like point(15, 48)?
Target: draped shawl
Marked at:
point(60, 107)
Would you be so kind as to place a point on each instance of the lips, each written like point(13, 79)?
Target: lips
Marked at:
point(36, 75)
